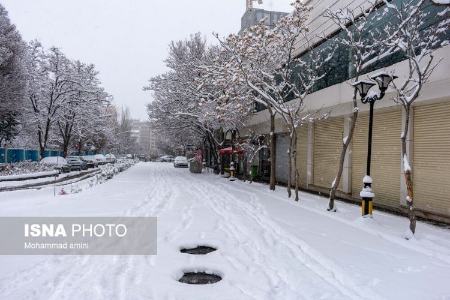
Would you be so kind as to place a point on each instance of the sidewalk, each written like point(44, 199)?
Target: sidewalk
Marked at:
point(363, 253)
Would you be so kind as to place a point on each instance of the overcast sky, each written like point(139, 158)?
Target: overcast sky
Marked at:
point(126, 39)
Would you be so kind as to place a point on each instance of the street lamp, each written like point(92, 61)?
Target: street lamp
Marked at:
point(363, 87)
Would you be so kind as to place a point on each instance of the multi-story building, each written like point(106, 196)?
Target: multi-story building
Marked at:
point(145, 137)
point(253, 16)
point(320, 143)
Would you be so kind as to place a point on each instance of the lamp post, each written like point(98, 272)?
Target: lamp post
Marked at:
point(363, 87)
point(233, 136)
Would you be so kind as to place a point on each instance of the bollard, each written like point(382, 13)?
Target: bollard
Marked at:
point(367, 196)
point(232, 171)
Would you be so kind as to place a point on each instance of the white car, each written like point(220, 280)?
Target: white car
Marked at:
point(111, 158)
point(100, 159)
point(180, 162)
point(57, 161)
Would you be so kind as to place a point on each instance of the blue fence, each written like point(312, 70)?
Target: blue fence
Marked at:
point(18, 155)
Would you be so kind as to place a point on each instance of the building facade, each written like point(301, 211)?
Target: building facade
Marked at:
point(146, 138)
point(255, 15)
point(320, 143)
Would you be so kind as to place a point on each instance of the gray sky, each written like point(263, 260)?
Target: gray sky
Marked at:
point(126, 39)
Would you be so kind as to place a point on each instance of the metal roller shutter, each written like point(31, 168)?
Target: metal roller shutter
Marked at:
point(431, 163)
point(386, 149)
point(328, 136)
point(302, 154)
point(282, 158)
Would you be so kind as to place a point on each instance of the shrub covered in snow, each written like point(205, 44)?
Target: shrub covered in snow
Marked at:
point(24, 167)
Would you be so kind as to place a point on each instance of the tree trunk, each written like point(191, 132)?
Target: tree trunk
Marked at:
point(66, 139)
point(66, 143)
point(213, 151)
point(43, 138)
point(65, 150)
point(408, 174)
point(294, 156)
point(41, 144)
point(272, 151)
point(80, 146)
point(289, 185)
point(345, 145)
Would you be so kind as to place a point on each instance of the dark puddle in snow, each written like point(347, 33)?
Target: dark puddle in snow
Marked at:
point(199, 250)
point(199, 278)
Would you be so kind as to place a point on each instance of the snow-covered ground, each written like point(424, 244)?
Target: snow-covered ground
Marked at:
point(269, 246)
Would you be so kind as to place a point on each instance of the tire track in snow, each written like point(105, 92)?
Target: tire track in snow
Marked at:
point(66, 275)
point(234, 231)
point(157, 201)
point(319, 264)
point(310, 258)
point(120, 270)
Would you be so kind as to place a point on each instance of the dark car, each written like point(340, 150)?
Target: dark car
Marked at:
point(167, 158)
point(90, 161)
point(76, 163)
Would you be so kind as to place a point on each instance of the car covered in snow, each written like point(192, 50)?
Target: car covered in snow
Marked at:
point(57, 162)
point(180, 162)
point(54, 161)
point(111, 158)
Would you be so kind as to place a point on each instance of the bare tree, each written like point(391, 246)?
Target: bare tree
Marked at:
point(83, 111)
point(13, 77)
point(416, 43)
point(252, 145)
point(193, 99)
point(266, 60)
point(51, 85)
point(363, 43)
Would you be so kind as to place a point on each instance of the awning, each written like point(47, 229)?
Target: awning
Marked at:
point(229, 150)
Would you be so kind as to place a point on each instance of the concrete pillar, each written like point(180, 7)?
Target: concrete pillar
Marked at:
point(347, 171)
point(409, 150)
point(310, 156)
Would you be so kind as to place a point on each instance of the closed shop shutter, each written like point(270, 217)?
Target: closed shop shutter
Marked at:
point(282, 158)
point(328, 136)
point(302, 154)
point(431, 163)
point(386, 149)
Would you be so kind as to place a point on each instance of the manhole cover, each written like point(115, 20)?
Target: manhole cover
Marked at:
point(199, 250)
point(199, 278)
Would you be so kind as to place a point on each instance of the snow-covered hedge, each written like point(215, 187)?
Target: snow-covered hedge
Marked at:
point(24, 167)
point(22, 177)
point(109, 170)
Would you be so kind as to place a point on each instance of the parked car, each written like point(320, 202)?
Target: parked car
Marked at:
point(100, 159)
point(167, 158)
point(76, 163)
point(84, 164)
point(110, 158)
point(180, 162)
point(90, 161)
point(59, 163)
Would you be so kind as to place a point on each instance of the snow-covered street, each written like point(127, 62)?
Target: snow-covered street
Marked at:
point(268, 246)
